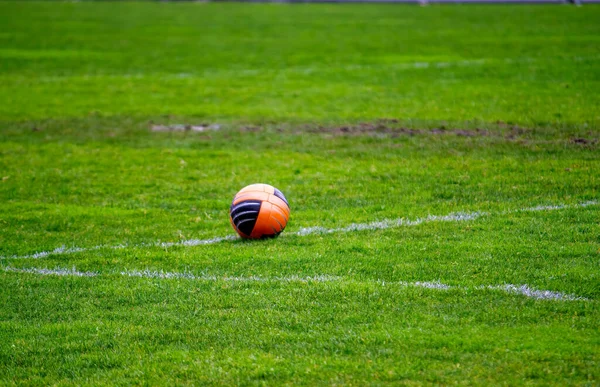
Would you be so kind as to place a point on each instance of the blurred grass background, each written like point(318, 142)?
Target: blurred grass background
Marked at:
point(531, 64)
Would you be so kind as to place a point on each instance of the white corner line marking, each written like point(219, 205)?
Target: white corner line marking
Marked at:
point(523, 290)
point(379, 225)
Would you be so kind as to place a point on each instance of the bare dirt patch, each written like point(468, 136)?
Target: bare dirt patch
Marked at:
point(584, 141)
point(393, 128)
point(387, 127)
point(185, 128)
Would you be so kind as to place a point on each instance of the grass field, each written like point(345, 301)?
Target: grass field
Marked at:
point(442, 165)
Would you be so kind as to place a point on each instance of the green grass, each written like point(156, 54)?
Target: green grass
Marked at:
point(533, 64)
point(358, 113)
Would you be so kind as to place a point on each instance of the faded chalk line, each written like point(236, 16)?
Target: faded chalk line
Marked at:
point(379, 225)
point(310, 70)
point(58, 272)
point(384, 224)
point(526, 291)
point(523, 290)
point(205, 277)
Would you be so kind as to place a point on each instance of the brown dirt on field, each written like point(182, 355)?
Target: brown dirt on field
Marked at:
point(585, 141)
point(185, 128)
point(383, 128)
point(391, 128)
point(386, 127)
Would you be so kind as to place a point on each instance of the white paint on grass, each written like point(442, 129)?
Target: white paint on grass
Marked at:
point(380, 66)
point(526, 291)
point(552, 207)
point(385, 224)
point(158, 274)
point(429, 285)
point(57, 251)
point(58, 271)
point(523, 290)
point(207, 277)
point(390, 66)
point(308, 70)
point(70, 250)
point(197, 242)
point(547, 208)
point(379, 225)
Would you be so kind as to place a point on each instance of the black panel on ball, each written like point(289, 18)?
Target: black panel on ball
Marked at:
point(244, 215)
point(279, 194)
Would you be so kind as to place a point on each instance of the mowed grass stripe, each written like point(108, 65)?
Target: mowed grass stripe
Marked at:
point(379, 225)
point(523, 289)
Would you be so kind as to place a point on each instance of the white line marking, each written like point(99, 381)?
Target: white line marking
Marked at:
point(384, 224)
point(380, 225)
point(58, 271)
point(206, 277)
point(70, 250)
point(194, 242)
point(428, 285)
point(523, 290)
point(308, 70)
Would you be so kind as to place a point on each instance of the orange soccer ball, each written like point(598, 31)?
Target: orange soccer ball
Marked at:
point(259, 211)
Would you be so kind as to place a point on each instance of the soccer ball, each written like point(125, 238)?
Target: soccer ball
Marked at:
point(259, 211)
